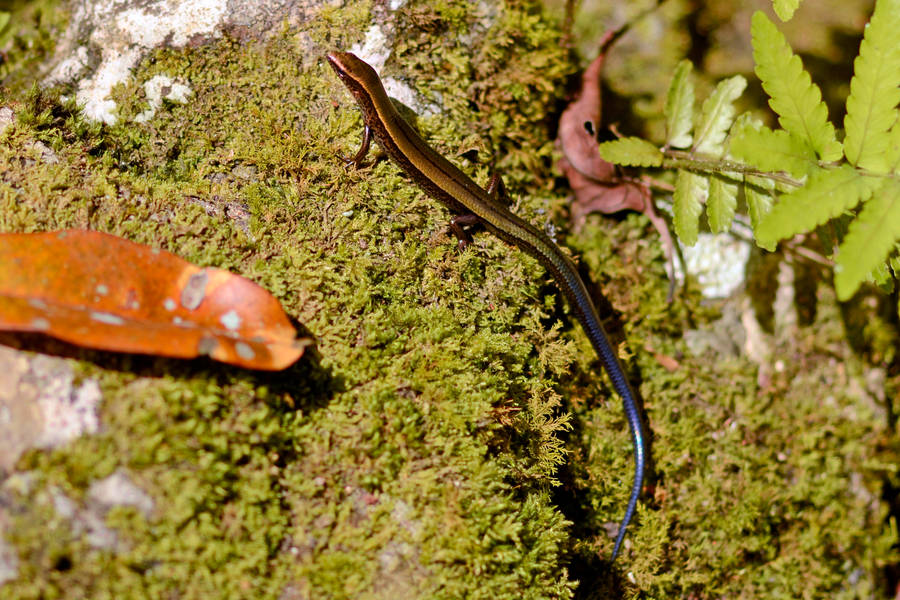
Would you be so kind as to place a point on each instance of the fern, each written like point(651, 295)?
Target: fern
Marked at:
point(722, 203)
point(772, 150)
point(717, 116)
point(690, 194)
point(892, 152)
point(793, 179)
point(631, 151)
point(793, 96)
point(785, 8)
point(870, 237)
point(874, 91)
point(679, 108)
point(758, 195)
point(827, 194)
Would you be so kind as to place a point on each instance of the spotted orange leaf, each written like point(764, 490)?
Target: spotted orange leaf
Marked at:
point(101, 291)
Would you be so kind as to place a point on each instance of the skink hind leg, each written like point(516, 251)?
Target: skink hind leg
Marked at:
point(457, 227)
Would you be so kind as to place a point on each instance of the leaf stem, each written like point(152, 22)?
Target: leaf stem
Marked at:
point(679, 159)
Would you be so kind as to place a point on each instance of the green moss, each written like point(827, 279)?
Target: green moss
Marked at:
point(29, 39)
point(417, 451)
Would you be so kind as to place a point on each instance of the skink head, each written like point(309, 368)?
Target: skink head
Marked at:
point(359, 77)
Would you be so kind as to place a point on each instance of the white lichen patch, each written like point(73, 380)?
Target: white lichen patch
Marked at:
point(40, 324)
point(122, 35)
point(108, 318)
point(244, 351)
point(194, 290)
point(231, 320)
point(174, 20)
point(159, 88)
point(93, 92)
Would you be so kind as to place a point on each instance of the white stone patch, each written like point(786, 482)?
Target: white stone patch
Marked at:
point(7, 117)
point(68, 413)
point(717, 261)
point(119, 490)
point(374, 48)
point(9, 562)
point(159, 88)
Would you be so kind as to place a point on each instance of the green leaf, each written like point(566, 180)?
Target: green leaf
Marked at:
point(892, 152)
point(827, 194)
point(690, 193)
point(792, 94)
point(631, 151)
point(769, 150)
point(785, 8)
point(722, 203)
point(894, 262)
point(870, 237)
point(874, 91)
point(717, 115)
point(759, 203)
point(679, 108)
point(881, 276)
point(4, 20)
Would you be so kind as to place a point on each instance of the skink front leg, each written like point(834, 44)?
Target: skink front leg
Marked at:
point(497, 190)
point(357, 159)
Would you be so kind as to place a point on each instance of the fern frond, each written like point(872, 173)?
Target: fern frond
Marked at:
point(717, 115)
point(874, 91)
point(722, 203)
point(631, 151)
point(792, 94)
point(785, 8)
point(691, 191)
point(769, 150)
point(881, 276)
point(869, 239)
point(894, 261)
point(679, 108)
point(758, 196)
point(892, 152)
point(826, 195)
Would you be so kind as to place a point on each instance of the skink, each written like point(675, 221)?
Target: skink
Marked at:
point(458, 192)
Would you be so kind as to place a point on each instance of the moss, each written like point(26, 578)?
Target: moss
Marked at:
point(417, 451)
point(29, 40)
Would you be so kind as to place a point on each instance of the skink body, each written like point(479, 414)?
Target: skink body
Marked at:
point(458, 192)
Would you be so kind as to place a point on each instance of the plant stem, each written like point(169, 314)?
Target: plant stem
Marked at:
point(678, 159)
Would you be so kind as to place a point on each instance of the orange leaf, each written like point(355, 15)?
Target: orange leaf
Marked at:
point(101, 291)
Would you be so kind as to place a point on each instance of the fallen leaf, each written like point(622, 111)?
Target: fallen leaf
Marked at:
point(599, 185)
point(100, 291)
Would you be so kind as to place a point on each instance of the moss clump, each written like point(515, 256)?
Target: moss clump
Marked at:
point(416, 452)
